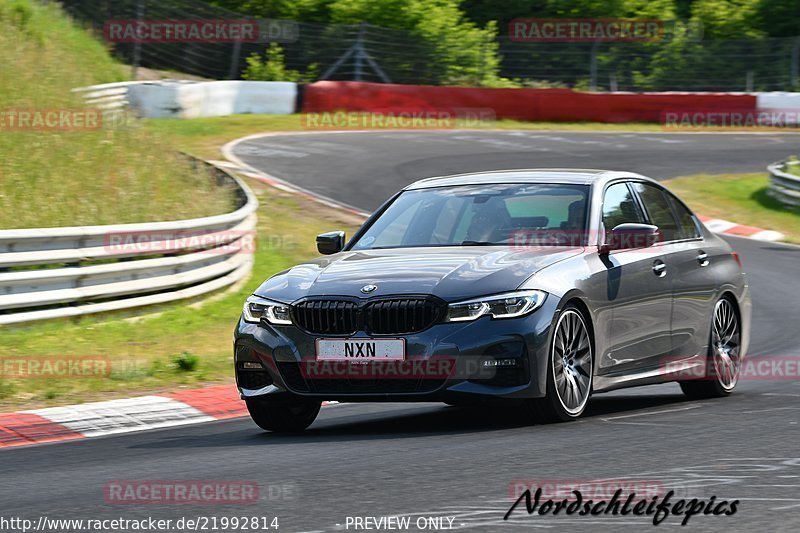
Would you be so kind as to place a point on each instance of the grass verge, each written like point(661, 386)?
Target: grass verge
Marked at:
point(740, 198)
point(72, 174)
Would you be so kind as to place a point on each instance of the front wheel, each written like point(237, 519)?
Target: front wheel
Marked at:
point(283, 417)
point(570, 370)
point(724, 356)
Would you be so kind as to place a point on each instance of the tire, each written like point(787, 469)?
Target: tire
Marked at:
point(570, 369)
point(724, 359)
point(283, 417)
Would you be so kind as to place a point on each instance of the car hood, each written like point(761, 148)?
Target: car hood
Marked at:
point(450, 273)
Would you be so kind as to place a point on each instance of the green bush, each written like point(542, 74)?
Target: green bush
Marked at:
point(272, 67)
point(186, 362)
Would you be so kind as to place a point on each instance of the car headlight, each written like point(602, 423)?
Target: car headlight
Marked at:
point(507, 305)
point(257, 308)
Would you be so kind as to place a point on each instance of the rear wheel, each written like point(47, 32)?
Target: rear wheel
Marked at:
point(724, 356)
point(570, 370)
point(283, 417)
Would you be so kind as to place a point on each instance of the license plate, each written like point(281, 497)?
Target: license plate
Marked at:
point(361, 349)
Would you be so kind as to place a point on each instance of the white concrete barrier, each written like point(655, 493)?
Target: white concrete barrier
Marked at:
point(172, 99)
point(784, 106)
point(778, 100)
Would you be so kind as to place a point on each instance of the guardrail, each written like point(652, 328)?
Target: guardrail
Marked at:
point(62, 272)
point(108, 96)
point(783, 186)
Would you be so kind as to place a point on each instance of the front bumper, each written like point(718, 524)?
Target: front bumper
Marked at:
point(286, 353)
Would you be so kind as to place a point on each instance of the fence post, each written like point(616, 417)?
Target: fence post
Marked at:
point(237, 48)
point(795, 67)
point(359, 55)
point(593, 66)
point(137, 45)
point(749, 83)
point(359, 66)
point(482, 66)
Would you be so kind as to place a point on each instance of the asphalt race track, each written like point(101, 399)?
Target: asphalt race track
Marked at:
point(364, 168)
point(433, 460)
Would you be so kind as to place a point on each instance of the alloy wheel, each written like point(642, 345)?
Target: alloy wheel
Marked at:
point(725, 343)
point(572, 361)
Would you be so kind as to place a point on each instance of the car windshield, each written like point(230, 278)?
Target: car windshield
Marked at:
point(481, 215)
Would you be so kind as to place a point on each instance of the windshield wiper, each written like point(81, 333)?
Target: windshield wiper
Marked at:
point(480, 243)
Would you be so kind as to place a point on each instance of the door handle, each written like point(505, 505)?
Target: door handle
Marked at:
point(702, 258)
point(659, 268)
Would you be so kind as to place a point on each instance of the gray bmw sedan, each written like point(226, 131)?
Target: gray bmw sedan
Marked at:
point(537, 288)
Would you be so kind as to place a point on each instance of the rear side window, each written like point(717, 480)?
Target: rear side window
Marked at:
point(619, 207)
point(685, 219)
point(659, 210)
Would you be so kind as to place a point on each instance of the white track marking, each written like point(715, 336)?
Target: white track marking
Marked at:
point(771, 409)
point(719, 226)
point(767, 235)
point(123, 416)
point(649, 413)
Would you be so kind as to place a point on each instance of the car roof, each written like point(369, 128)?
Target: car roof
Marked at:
point(534, 175)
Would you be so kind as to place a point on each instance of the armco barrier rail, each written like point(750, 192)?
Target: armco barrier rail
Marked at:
point(108, 96)
point(62, 272)
point(783, 186)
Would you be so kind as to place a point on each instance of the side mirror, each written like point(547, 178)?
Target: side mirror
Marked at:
point(631, 236)
point(330, 243)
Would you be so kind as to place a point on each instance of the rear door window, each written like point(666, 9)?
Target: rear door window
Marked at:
point(687, 223)
point(659, 211)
